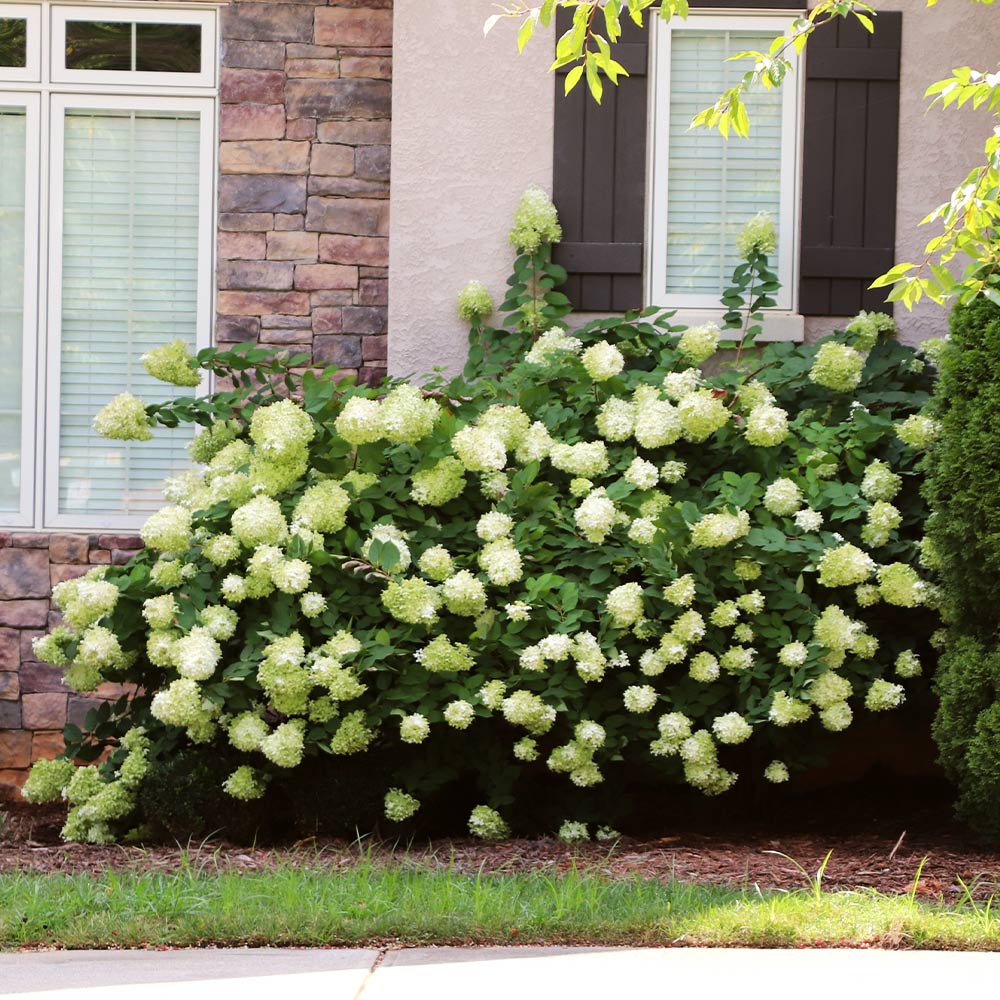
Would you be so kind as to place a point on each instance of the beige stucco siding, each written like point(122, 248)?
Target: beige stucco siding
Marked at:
point(472, 127)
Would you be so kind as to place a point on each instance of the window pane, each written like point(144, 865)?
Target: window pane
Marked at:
point(130, 283)
point(13, 42)
point(12, 154)
point(168, 48)
point(102, 45)
point(714, 185)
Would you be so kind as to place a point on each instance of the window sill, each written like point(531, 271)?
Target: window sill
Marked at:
point(778, 324)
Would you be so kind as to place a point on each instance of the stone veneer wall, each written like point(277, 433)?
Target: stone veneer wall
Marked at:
point(302, 265)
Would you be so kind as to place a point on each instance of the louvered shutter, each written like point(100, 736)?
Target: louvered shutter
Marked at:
point(849, 170)
point(599, 181)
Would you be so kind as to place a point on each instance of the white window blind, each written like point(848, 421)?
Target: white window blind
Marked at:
point(715, 186)
point(13, 151)
point(130, 268)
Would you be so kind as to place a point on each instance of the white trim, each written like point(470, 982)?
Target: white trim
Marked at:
point(60, 103)
point(31, 71)
point(24, 516)
point(205, 19)
point(658, 153)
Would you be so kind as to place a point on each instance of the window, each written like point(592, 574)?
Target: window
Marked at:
point(703, 188)
point(107, 169)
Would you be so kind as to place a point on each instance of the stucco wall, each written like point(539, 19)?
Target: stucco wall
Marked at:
point(472, 127)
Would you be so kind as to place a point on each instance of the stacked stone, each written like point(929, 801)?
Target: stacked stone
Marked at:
point(34, 702)
point(304, 192)
point(302, 265)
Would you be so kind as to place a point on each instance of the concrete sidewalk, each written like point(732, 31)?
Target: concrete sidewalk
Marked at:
point(496, 974)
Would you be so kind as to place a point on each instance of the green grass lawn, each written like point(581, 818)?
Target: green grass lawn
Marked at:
point(407, 903)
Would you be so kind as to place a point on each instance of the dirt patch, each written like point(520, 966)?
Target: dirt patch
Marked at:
point(884, 858)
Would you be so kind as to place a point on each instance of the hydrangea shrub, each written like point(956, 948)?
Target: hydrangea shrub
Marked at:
point(600, 557)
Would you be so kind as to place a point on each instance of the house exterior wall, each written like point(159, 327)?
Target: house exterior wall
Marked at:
point(302, 256)
point(484, 141)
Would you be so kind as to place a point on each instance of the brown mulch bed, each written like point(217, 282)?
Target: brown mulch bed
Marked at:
point(874, 859)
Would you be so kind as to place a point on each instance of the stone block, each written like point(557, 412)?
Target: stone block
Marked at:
point(47, 745)
point(78, 707)
point(299, 341)
point(265, 22)
point(24, 614)
point(10, 715)
point(241, 246)
point(120, 542)
point(338, 249)
point(288, 223)
point(373, 162)
point(261, 303)
point(61, 572)
point(10, 784)
point(374, 347)
point(332, 297)
point(246, 222)
point(10, 649)
point(312, 69)
point(301, 128)
point(344, 26)
point(300, 246)
point(364, 320)
point(10, 685)
point(286, 322)
point(327, 320)
point(241, 54)
point(25, 572)
point(337, 349)
point(99, 557)
point(349, 216)
point(15, 749)
point(119, 557)
point(255, 275)
point(264, 156)
point(370, 67)
point(29, 540)
point(257, 193)
point(236, 329)
point(26, 637)
point(372, 376)
point(41, 678)
point(348, 187)
point(43, 711)
point(68, 548)
point(252, 121)
point(337, 98)
point(251, 86)
point(333, 160)
point(373, 292)
point(355, 133)
point(298, 50)
point(315, 276)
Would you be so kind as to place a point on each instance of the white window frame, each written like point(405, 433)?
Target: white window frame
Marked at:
point(206, 19)
point(47, 101)
point(783, 321)
point(31, 71)
point(24, 516)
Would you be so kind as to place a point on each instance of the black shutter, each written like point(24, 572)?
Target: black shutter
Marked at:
point(851, 124)
point(599, 180)
point(849, 165)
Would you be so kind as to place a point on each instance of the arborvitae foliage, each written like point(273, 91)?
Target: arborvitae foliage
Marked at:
point(964, 481)
point(964, 489)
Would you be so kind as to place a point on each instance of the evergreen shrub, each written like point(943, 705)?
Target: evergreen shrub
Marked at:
point(587, 559)
point(963, 486)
